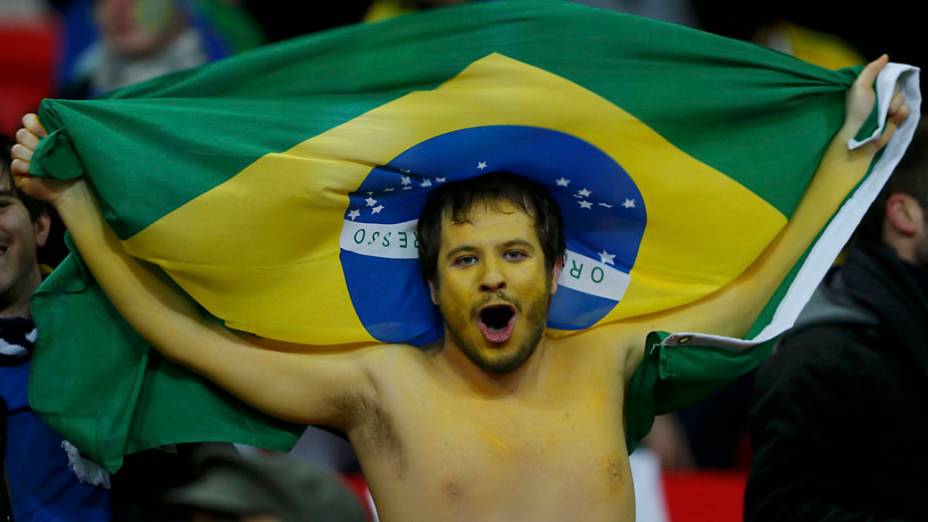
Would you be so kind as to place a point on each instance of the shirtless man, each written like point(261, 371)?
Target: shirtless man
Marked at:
point(492, 423)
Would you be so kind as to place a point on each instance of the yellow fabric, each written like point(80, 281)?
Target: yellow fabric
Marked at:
point(275, 226)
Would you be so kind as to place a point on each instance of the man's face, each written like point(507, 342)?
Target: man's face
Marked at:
point(136, 28)
point(921, 234)
point(492, 286)
point(19, 239)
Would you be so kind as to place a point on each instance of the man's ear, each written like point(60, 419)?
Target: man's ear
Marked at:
point(556, 272)
point(904, 214)
point(41, 227)
point(433, 293)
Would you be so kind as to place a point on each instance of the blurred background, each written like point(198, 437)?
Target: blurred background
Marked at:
point(694, 464)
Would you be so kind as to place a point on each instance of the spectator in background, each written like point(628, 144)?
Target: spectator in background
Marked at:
point(840, 418)
point(713, 432)
point(265, 488)
point(137, 40)
point(42, 478)
point(764, 23)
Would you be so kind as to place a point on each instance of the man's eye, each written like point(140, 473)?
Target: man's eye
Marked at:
point(514, 255)
point(465, 260)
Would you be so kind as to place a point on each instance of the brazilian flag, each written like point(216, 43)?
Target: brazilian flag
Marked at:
point(280, 190)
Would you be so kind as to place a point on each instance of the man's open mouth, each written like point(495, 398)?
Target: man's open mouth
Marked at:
point(496, 322)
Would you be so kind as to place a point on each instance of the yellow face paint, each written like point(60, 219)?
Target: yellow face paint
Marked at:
point(492, 288)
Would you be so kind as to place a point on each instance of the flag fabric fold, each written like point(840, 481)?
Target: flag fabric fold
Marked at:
point(280, 190)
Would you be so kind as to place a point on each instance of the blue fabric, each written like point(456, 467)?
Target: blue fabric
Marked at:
point(42, 488)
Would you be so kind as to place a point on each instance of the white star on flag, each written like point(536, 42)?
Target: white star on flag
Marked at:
point(441, 180)
point(370, 201)
point(377, 209)
point(629, 203)
point(388, 189)
point(482, 165)
point(353, 213)
point(369, 193)
point(562, 181)
point(405, 180)
point(606, 257)
point(585, 204)
point(405, 171)
point(584, 193)
point(407, 187)
point(426, 183)
point(607, 205)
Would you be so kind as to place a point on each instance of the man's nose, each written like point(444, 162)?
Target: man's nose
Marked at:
point(492, 279)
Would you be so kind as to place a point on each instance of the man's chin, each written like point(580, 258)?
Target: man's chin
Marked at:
point(501, 358)
point(499, 365)
point(498, 357)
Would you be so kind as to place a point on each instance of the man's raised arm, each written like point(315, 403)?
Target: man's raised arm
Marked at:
point(295, 386)
point(731, 310)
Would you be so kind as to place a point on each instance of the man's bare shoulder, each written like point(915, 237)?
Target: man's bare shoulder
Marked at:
point(619, 344)
point(388, 366)
point(402, 355)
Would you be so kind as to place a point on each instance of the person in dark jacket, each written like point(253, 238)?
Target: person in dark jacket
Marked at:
point(840, 419)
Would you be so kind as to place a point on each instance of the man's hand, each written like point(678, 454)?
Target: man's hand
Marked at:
point(52, 191)
point(860, 100)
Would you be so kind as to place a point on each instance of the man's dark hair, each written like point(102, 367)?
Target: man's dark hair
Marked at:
point(35, 207)
point(910, 177)
point(458, 198)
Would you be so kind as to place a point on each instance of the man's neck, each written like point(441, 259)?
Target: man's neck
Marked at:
point(457, 366)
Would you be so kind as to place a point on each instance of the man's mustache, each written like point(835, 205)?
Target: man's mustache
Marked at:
point(498, 296)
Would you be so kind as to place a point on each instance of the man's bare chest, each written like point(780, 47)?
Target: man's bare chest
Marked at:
point(514, 443)
point(454, 449)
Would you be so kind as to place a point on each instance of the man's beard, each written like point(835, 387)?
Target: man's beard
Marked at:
point(536, 314)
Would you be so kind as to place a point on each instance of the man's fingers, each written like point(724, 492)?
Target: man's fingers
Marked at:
point(900, 115)
point(898, 112)
point(20, 152)
point(887, 135)
point(31, 122)
point(871, 71)
point(27, 138)
point(19, 168)
point(897, 101)
point(898, 108)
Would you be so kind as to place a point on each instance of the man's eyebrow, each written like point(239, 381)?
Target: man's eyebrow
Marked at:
point(518, 242)
point(457, 250)
point(508, 244)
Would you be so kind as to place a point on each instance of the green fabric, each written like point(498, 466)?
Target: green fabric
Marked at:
point(95, 400)
point(670, 378)
point(752, 113)
point(234, 111)
point(60, 160)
